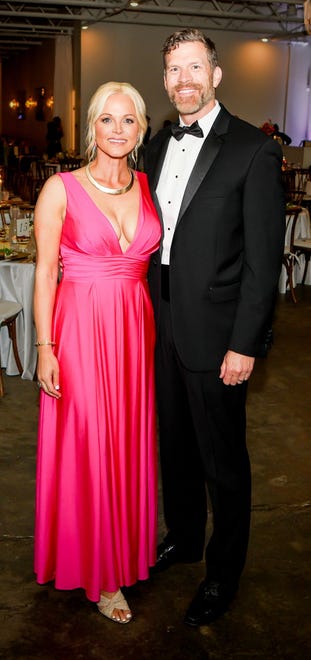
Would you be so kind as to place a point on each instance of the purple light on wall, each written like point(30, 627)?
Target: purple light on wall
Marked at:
point(298, 110)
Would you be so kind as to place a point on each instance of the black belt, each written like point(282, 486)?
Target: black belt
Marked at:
point(165, 282)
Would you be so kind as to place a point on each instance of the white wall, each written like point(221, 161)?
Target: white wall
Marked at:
point(298, 107)
point(125, 53)
point(254, 84)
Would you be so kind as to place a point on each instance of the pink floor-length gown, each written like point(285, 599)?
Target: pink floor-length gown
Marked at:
point(96, 499)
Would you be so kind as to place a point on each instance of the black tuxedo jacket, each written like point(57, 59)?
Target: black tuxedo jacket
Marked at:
point(228, 243)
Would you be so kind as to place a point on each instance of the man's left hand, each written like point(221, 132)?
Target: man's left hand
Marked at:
point(236, 368)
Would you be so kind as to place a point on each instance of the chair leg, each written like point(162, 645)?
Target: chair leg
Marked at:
point(289, 272)
point(11, 325)
point(1, 383)
point(307, 261)
point(291, 285)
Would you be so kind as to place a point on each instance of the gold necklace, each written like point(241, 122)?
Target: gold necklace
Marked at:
point(110, 191)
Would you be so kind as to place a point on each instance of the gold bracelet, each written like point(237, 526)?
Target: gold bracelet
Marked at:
point(45, 343)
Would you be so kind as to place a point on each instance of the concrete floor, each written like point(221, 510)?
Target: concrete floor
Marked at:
point(271, 616)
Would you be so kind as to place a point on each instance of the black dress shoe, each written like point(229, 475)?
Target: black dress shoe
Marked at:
point(211, 601)
point(169, 554)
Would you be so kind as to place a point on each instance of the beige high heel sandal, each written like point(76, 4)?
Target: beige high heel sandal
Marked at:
point(118, 602)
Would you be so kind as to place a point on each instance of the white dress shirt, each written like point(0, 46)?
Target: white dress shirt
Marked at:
point(178, 164)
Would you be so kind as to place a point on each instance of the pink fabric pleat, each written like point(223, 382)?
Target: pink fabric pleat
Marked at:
point(96, 497)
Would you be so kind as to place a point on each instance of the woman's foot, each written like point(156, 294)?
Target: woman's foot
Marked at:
point(114, 606)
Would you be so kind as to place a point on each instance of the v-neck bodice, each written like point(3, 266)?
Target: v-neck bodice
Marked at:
point(89, 241)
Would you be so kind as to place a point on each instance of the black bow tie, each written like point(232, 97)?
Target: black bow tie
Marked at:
point(179, 131)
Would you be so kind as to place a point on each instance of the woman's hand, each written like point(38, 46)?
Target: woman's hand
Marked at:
point(48, 372)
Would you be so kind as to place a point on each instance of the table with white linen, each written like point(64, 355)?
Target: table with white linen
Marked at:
point(306, 201)
point(16, 283)
point(303, 230)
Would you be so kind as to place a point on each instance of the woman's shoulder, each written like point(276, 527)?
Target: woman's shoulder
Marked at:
point(69, 178)
point(52, 194)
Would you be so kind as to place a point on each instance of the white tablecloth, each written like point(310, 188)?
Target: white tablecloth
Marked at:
point(16, 283)
point(303, 230)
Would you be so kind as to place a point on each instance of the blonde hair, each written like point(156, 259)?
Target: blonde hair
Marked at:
point(96, 106)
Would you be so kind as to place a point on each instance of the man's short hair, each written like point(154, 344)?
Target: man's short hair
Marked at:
point(188, 35)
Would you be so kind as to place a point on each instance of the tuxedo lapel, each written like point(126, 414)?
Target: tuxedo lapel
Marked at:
point(212, 145)
point(203, 163)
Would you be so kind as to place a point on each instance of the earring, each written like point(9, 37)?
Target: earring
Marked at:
point(93, 151)
point(133, 157)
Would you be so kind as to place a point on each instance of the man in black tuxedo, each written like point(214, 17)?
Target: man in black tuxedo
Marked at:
point(218, 191)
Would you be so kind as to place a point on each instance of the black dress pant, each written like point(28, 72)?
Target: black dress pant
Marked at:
point(202, 444)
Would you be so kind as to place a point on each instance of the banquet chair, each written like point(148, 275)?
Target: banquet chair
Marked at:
point(293, 187)
point(36, 181)
point(9, 312)
point(289, 255)
point(2, 230)
point(71, 164)
point(302, 176)
point(49, 169)
point(295, 196)
point(299, 247)
point(289, 180)
point(5, 219)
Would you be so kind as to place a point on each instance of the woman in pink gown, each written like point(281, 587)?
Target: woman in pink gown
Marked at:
point(96, 498)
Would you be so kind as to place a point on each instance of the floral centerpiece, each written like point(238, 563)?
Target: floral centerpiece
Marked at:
point(267, 127)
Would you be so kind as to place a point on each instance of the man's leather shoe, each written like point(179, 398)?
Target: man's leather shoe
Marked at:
point(211, 601)
point(169, 554)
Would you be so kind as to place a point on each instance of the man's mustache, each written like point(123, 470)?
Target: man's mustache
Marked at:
point(193, 86)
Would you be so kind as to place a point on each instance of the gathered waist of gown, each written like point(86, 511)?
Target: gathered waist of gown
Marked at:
point(89, 267)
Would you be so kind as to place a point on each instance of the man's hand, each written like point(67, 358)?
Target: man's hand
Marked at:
point(236, 368)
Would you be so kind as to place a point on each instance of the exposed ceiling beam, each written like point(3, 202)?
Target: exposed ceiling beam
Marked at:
point(49, 18)
point(46, 30)
point(161, 4)
point(85, 16)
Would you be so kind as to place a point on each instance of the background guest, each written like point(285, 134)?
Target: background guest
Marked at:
point(54, 135)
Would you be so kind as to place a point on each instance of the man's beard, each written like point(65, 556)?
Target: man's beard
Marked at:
point(192, 104)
